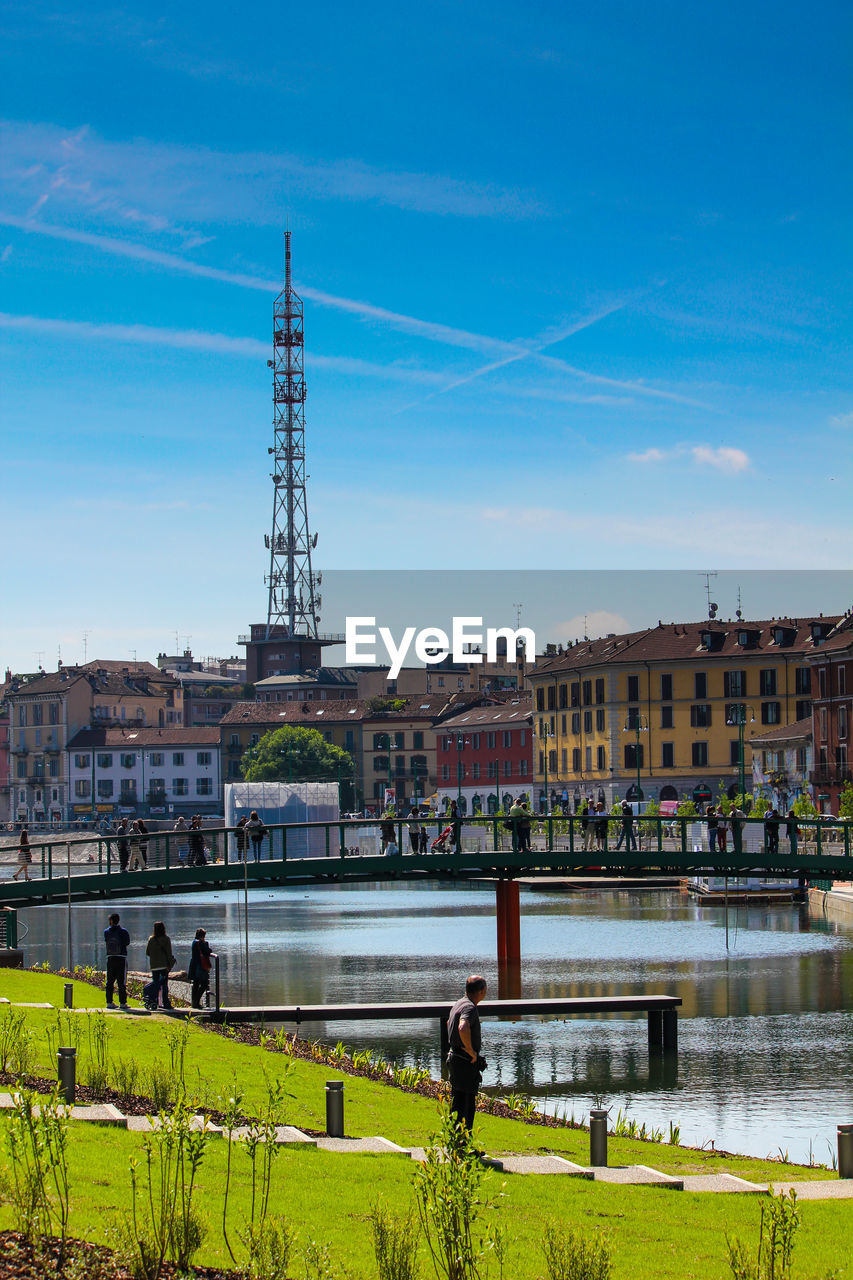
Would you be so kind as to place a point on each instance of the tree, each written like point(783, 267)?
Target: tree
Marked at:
point(295, 753)
point(845, 801)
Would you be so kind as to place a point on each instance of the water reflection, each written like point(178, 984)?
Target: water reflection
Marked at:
point(765, 1032)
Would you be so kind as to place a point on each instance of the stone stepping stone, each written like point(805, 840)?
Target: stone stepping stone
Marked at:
point(721, 1183)
point(821, 1189)
point(101, 1113)
point(637, 1175)
point(286, 1135)
point(373, 1146)
point(537, 1164)
point(148, 1124)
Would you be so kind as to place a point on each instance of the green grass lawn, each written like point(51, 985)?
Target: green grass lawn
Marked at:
point(654, 1232)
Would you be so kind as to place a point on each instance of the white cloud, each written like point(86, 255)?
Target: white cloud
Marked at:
point(842, 420)
point(650, 455)
point(724, 458)
point(600, 622)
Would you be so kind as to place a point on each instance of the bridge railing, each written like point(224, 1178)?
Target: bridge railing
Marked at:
point(666, 842)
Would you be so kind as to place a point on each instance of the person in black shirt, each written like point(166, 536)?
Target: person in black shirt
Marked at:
point(465, 1065)
point(116, 940)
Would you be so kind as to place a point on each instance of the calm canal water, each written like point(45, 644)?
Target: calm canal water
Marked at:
point(765, 1032)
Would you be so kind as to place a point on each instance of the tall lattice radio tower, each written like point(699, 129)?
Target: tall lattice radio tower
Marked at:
point(294, 601)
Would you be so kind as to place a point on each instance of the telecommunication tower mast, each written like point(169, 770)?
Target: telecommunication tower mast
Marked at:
point(293, 599)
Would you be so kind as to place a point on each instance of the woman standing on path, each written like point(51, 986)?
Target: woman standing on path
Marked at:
point(198, 970)
point(161, 959)
point(25, 856)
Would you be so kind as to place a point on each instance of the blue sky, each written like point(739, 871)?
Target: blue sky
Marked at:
point(576, 286)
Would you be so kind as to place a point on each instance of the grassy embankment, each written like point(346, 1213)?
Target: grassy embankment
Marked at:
point(328, 1196)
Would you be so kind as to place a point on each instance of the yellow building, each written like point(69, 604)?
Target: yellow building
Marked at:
point(674, 705)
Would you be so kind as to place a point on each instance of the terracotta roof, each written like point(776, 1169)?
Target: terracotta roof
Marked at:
point(345, 676)
point(432, 707)
point(494, 716)
point(800, 729)
point(170, 736)
point(683, 640)
point(50, 682)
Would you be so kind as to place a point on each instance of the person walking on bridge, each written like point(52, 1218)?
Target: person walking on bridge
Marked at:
point(464, 1062)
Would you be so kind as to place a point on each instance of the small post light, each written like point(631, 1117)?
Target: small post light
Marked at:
point(335, 1108)
point(845, 1151)
point(69, 995)
point(66, 1073)
point(598, 1138)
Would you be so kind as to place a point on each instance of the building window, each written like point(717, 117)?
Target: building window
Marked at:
point(204, 786)
point(700, 681)
point(667, 755)
point(105, 760)
point(540, 699)
point(802, 680)
point(82, 761)
point(564, 695)
point(767, 682)
point(734, 684)
point(821, 683)
point(771, 713)
point(599, 690)
point(53, 712)
point(177, 758)
point(445, 772)
point(475, 770)
point(841, 757)
point(418, 740)
point(202, 757)
point(576, 722)
point(105, 788)
point(508, 766)
point(587, 692)
point(700, 713)
point(602, 759)
point(492, 739)
point(380, 764)
point(700, 754)
point(842, 722)
point(842, 682)
point(821, 724)
point(666, 717)
point(803, 709)
point(22, 768)
point(633, 756)
point(492, 769)
point(157, 786)
point(575, 696)
point(735, 713)
point(576, 760)
point(587, 722)
point(82, 788)
point(38, 713)
point(666, 688)
point(38, 737)
point(588, 759)
point(522, 769)
point(633, 688)
point(522, 737)
point(128, 759)
point(552, 697)
point(734, 752)
point(53, 767)
point(22, 716)
point(599, 720)
point(180, 786)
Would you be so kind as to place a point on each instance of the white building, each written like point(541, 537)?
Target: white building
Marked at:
point(144, 772)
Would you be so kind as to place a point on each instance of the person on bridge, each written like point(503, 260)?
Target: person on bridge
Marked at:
point(198, 857)
point(161, 958)
point(257, 831)
point(464, 1063)
point(25, 856)
point(116, 940)
point(414, 832)
point(627, 832)
point(123, 845)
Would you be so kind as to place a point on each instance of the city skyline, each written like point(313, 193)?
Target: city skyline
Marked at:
point(574, 293)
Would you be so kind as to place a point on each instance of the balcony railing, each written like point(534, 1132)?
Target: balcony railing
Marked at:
point(830, 777)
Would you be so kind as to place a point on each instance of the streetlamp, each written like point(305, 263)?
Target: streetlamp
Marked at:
point(637, 724)
point(546, 734)
point(737, 716)
point(461, 740)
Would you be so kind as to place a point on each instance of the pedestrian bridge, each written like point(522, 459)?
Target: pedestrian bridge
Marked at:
point(88, 868)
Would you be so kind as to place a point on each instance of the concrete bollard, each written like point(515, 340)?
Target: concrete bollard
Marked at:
point(66, 1071)
point(598, 1138)
point(69, 995)
point(335, 1108)
point(845, 1151)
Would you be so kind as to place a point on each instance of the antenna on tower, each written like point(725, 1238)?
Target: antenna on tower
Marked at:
point(293, 603)
point(86, 635)
point(738, 610)
point(712, 606)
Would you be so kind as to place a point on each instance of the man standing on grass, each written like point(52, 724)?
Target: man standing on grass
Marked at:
point(464, 1062)
point(117, 940)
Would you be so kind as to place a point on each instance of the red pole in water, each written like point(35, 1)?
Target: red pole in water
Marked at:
point(513, 923)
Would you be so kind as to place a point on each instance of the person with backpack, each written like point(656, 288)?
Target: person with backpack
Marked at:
point(116, 940)
point(257, 831)
point(198, 855)
point(198, 969)
point(161, 958)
